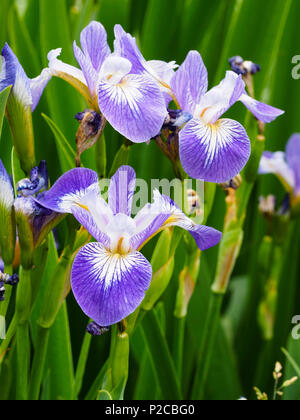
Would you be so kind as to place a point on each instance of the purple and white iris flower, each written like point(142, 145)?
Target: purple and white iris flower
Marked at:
point(110, 276)
point(285, 165)
point(211, 148)
point(26, 91)
point(132, 103)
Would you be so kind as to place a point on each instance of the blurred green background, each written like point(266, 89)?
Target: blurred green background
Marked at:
point(264, 32)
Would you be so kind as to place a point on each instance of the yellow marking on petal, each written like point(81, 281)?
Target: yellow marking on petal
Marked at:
point(203, 112)
point(83, 206)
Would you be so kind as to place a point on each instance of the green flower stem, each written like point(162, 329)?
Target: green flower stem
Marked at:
point(38, 363)
point(178, 343)
point(83, 357)
point(208, 342)
point(23, 361)
point(11, 332)
point(23, 309)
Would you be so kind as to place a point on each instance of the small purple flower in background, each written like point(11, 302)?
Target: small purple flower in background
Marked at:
point(211, 148)
point(110, 277)
point(26, 91)
point(132, 103)
point(285, 165)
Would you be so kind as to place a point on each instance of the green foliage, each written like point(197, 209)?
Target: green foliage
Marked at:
point(240, 356)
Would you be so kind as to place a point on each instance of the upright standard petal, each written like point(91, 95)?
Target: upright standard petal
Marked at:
point(109, 287)
point(70, 189)
point(121, 190)
point(220, 98)
point(214, 152)
point(261, 111)
point(125, 46)
point(135, 107)
point(293, 159)
point(190, 82)
point(94, 44)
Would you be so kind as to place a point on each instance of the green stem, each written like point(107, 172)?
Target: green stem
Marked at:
point(178, 344)
point(38, 363)
point(23, 361)
point(81, 365)
point(208, 341)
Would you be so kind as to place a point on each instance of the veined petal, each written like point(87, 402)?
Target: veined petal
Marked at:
point(88, 221)
point(70, 189)
point(94, 44)
point(293, 158)
point(38, 85)
point(261, 111)
point(121, 190)
point(125, 46)
point(149, 221)
point(214, 152)
point(190, 82)
point(90, 74)
point(109, 287)
point(6, 189)
point(135, 107)
point(220, 98)
point(12, 73)
point(205, 237)
point(275, 163)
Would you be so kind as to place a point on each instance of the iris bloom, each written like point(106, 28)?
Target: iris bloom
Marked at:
point(212, 148)
point(132, 103)
point(285, 165)
point(26, 91)
point(110, 276)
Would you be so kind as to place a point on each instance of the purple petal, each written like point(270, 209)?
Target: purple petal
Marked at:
point(125, 46)
point(12, 73)
point(214, 153)
point(121, 190)
point(109, 287)
point(293, 158)
point(135, 107)
point(88, 70)
point(94, 51)
point(70, 189)
point(94, 44)
point(85, 218)
point(190, 82)
point(148, 221)
point(219, 99)
point(205, 237)
point(261, 111)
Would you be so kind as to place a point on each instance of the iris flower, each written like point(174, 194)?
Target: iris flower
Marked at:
point(213, 148)
point(132, 103)
point(26, 91)
point(285, 165)
point(110, 276)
